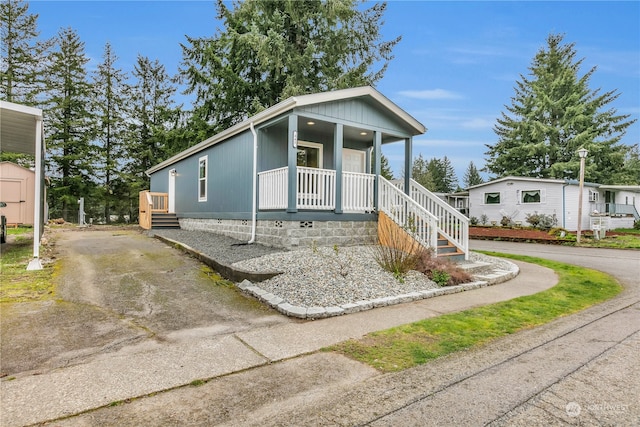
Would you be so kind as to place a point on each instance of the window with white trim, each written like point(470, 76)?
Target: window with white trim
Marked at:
point(492, 198)
point(594, 196)
point(530, 196)
point(202, 178)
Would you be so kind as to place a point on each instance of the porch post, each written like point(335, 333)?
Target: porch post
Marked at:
point(338, 142)
point(292, 163)
point(377, 147)
point(408, 145)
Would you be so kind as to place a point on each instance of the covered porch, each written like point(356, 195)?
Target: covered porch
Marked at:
point(308, 163)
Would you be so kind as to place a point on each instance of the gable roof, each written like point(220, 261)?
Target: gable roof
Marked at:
point(518, 178)
point(289, 104)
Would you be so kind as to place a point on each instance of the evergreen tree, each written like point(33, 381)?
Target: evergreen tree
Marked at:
point(421, 174)
point(553, 114)
point(153, 120)
point(271, 50)
point(444, 175)
point(23, 56)
point(71, 158)
point(385, 169)
point(471, 176)
point(110, 102)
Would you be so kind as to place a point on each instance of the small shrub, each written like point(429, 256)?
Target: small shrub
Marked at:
point(542, 221)
point(533, 219)
point(437, 269)
point(473, 220)
point(505, 221)
point(440, 277)
point(636, 225)
point(398, 253)
point(484, 219)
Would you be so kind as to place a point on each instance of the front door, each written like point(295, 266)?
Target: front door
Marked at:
point(172, 191)
point(354, 160)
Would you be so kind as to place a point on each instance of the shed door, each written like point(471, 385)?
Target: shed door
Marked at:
point(354, 160)
point(13, 193)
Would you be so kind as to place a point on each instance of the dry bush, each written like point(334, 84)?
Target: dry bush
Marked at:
point(443, 272)
point(396, 252)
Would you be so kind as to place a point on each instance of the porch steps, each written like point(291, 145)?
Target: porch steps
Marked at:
point(446, 250)
point(165, 221)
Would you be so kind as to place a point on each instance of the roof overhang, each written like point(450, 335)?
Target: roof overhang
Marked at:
point(289, 104)
point(18, 127)
point(22, 131)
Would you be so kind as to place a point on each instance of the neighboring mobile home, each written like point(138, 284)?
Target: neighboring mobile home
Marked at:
point(516, 197)
point(305, 171)
point(17, 190)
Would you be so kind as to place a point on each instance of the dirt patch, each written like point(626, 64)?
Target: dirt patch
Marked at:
point(512, 234)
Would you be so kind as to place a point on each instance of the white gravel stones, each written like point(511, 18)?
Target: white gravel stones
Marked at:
point(325, 277)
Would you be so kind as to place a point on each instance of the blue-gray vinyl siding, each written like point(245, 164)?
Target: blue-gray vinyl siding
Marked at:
point(229, 181)
point(357, 112)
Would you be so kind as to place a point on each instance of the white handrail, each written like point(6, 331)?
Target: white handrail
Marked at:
point(273, 188)
point(452, 224)
point(316, 188)
point(408, 214)
point(357, 192)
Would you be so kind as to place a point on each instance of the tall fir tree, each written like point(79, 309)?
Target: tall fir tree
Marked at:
point(154, 117)
point(70, 127)
point(109, 108)
point(23, 55)
point(471, 176)
point(554, 113)
point(421, 174)
point(271, 50)
point(385, 169)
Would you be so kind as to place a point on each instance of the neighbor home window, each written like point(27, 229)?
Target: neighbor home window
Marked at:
point(530, 196)
point(202, 179)
point(491, 198)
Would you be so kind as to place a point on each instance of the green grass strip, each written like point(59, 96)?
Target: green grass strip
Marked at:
point(416, 343)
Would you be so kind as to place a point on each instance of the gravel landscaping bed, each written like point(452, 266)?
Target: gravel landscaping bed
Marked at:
point(223, 249)
point(319, 276)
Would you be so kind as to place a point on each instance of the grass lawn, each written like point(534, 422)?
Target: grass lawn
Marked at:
point(409, 345)
point(627, 241)
point(18, 284)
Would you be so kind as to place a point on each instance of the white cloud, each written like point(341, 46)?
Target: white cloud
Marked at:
point(431, 94)
point(478, 124)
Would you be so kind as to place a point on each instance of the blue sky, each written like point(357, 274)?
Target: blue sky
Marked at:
point(454, 70)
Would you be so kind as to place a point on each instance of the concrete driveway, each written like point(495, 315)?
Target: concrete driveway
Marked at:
point(117, 288)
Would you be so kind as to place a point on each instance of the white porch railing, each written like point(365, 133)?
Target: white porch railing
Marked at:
point(273, 188)
point(316, 188)
point(357, 192)
point(407, 213)
point(452, 224)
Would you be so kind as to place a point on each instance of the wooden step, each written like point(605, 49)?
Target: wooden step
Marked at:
point(164, 221)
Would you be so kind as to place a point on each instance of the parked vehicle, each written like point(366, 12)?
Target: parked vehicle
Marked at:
point(3, 225)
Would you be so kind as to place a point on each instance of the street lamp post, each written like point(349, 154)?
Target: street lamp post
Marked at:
point(583, 155)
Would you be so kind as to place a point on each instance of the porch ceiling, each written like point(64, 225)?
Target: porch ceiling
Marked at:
point(18, 128)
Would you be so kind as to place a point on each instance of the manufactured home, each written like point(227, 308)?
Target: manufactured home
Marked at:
point(305, 171)
point(608, 206)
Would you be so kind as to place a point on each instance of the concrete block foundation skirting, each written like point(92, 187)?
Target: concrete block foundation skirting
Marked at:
point(290, 234)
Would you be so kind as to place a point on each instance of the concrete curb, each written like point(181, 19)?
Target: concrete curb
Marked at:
point(231, 273)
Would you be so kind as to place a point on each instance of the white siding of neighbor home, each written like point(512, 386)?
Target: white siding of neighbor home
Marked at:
point(552, 202)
